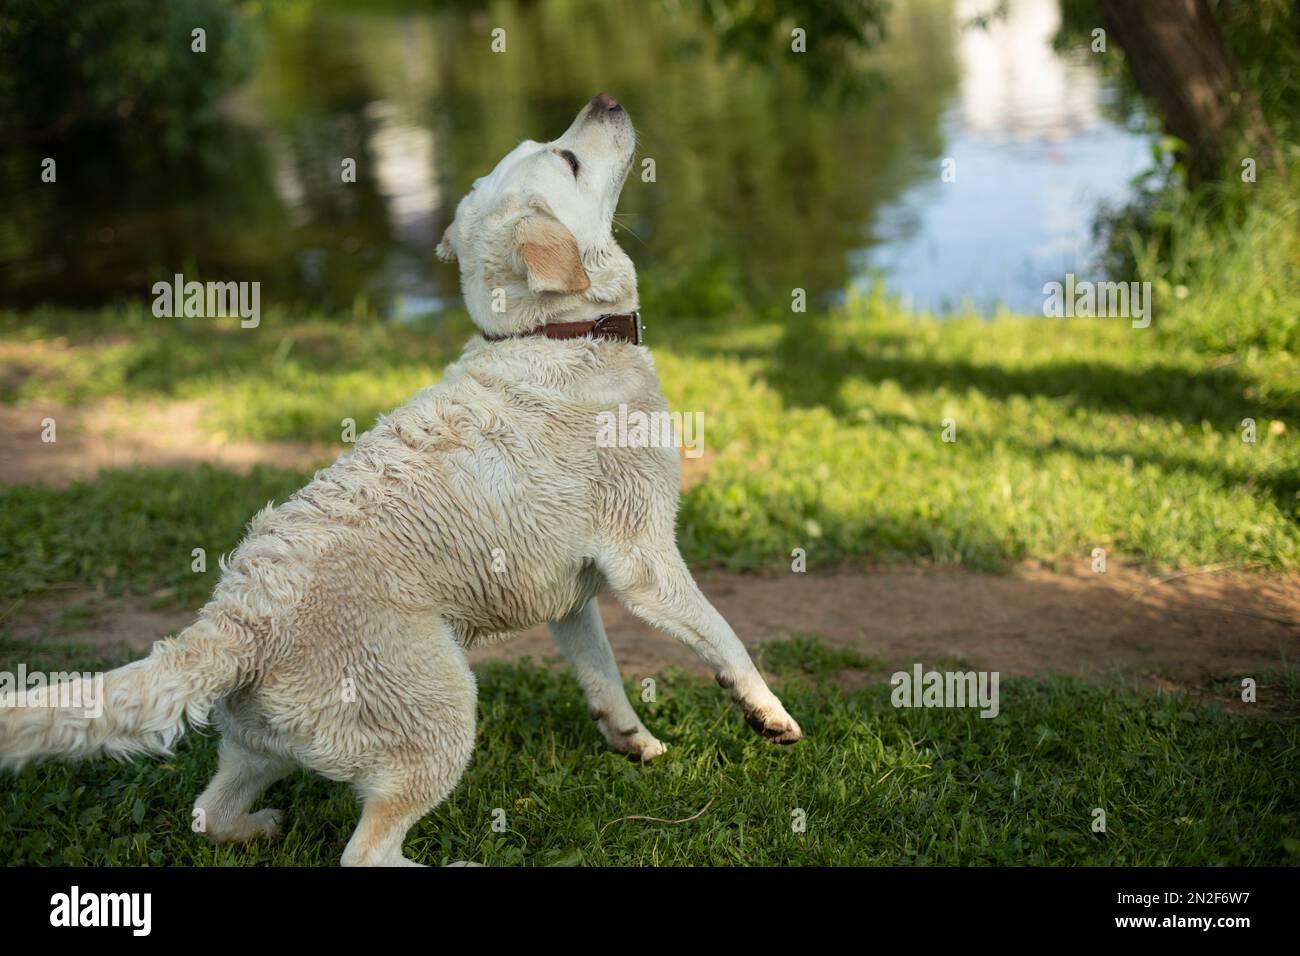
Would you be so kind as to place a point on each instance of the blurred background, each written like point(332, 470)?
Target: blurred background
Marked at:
point(773, 170)
point(819, 171)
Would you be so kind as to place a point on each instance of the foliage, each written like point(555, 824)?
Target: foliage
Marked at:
point(116, 68)
point(1223, 257)
point(836, 34)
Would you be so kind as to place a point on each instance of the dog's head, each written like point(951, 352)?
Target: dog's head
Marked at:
point(534, 238)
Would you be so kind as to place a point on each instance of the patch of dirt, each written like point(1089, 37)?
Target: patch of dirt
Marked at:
point(84, 616)
point(1194, 629)
point(118, 434)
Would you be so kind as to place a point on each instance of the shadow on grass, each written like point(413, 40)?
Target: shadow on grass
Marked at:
point(1281, 484)
point(809, 368)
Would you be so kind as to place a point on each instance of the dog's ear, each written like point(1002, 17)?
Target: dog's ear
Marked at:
point(445, 250)
point(550, 255)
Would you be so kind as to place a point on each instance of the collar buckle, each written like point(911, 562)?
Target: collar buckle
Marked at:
point(635, 316)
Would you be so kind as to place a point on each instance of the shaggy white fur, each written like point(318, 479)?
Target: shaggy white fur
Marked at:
point(482, 506)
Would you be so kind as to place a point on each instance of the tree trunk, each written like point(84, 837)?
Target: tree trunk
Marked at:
point(1179, 59)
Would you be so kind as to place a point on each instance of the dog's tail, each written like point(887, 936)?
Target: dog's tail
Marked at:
point(140, 708)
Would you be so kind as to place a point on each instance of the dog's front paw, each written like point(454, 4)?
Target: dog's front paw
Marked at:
point(774, 724)
point(646, 746)
point(635, 742)
point(640, 744)
point(625, 733)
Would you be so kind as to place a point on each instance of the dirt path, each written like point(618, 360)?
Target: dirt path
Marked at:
point(117, 434)
point(1190, 630)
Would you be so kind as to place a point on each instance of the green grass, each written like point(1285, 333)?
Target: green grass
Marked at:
point(1223, 259)
point(284, 379)
point(1069, 436)
point(1255, 278)
point(823, 432)
point(132, 531)
point(1181, 784)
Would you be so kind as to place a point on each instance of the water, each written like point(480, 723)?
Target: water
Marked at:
point(763, 181)
point(1034, 157)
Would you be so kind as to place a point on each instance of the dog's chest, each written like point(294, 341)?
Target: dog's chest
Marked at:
point(488, 500)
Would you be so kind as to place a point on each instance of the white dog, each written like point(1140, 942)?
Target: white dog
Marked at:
point(483, 506)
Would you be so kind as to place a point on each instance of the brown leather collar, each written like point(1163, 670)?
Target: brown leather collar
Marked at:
point(623, 326)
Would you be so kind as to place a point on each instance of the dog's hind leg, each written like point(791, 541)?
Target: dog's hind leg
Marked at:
point(396, 799)
point(407, 740)
point(655, 585)
point(221, 811)
point(581, 638)
point(385, 818)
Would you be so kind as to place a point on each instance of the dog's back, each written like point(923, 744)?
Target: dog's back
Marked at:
point(484, 498)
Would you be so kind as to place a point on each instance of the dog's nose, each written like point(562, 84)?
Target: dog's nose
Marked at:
point(605, 103)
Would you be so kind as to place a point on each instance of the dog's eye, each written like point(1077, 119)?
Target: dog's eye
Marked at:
point(572, 161)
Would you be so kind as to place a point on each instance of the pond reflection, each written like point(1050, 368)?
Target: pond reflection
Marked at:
point(1036, 155)
point(763, 181)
